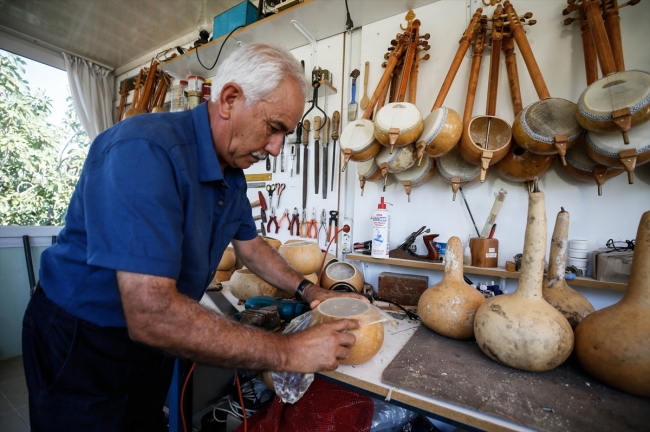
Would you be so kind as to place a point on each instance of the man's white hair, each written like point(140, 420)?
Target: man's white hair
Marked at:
point(258, 69)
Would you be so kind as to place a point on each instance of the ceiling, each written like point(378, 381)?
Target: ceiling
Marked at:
point(110, 32)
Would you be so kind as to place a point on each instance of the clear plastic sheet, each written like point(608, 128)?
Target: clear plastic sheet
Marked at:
point(290, 386)
point(389, 418)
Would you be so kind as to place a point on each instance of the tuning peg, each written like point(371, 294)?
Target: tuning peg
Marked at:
point(425, 57)
point(424, 44)
point(384, 64)
point(629, 3)
point(570, 1)
point(530, 23)
point(394, 42)
point(425, 37)
point(569, 20)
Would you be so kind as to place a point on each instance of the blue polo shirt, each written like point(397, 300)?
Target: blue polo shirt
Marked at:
point(151, 199)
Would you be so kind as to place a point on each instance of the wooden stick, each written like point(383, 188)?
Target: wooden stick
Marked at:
point(465, 41)
point(136, 90)
point(413, 33)
point(519, 35)
point(613, 28)
point(148, 85)
point(588, 49)
point(479, 44)
point(603, 47)
point(495, 61)
point(392, 61)
point(508, 46)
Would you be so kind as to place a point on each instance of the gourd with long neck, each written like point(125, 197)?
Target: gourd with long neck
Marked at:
point(570, 303)
point(522, 330)
point(449, 306)
point(613, 344)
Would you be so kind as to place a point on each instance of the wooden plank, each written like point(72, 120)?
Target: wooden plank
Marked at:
point(497, 272)
point(404, 289)
point(566, 398)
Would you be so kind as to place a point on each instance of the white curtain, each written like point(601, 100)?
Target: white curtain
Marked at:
point(91, 87)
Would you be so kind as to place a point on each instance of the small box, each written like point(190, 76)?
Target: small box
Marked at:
point(485, 252)
point(612, 266)
point(403, 289)
point(244, 13)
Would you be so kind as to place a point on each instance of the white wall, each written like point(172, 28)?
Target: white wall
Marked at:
point(558, 51)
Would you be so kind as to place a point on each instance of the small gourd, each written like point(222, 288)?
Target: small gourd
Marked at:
point(522, 330)
point(449, 306)
point(570, 303)
point(613, 344)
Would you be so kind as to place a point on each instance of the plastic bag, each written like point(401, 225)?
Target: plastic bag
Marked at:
point(290, 386)
point(389, 418)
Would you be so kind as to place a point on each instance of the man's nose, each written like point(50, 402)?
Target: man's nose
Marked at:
point(275, 144)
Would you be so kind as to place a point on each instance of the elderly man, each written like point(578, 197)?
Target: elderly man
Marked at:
point(159, 199)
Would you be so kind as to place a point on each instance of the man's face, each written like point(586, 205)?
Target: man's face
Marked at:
point(259, 131)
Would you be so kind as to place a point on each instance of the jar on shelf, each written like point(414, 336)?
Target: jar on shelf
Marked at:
point(194, 83)
point(178, 98)
point(206, 89)
point(193, 98)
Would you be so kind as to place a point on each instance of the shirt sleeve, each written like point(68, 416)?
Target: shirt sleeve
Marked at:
point(134, 211)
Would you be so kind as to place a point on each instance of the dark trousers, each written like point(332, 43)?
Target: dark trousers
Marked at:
point(82, 377)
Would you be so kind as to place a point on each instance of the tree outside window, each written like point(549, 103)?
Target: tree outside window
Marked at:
point(40, 162)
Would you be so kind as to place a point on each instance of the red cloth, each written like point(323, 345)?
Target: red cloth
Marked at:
point(325, 407)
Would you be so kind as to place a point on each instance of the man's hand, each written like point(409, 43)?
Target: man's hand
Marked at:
point(319, 348)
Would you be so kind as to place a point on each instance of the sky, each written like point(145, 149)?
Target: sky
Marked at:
point(53, 81)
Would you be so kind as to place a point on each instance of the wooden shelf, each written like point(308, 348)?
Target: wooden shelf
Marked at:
point(322, 18)
point(497, 272)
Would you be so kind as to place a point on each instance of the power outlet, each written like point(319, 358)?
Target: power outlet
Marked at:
point(346, 238)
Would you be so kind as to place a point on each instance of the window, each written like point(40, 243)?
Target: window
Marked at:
point(42, 143)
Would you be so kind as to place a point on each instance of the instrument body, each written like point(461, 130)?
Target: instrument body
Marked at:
point(358, 143)
point(442, 129)
point(400, 160)
point(609, 149)
point(416, 175)
point(398, 124)
point(369, 170)
point(457, 171)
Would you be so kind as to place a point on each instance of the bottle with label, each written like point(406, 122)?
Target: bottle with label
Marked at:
point(380, 231)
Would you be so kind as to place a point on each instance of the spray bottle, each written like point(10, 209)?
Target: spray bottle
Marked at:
point(380, 231)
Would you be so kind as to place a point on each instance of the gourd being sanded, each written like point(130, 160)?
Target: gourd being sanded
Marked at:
point(570, 303)
point(613, 344)
point(449, 306)
point(522, 330)
point(369, 337)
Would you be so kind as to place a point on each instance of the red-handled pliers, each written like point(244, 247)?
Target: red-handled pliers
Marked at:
point(294, 222)
point(312, 231)
point(272, 220)
point(285, 215)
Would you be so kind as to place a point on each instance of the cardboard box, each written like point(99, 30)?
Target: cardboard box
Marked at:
point(404, 289)
point(244, 13)
point(612, 266)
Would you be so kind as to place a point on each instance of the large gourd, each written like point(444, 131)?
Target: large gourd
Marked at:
point(613, 344)
point(573, 305)
point(522, 330)
point(449, 306)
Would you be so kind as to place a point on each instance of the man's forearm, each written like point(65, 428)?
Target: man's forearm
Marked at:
point(186, 329)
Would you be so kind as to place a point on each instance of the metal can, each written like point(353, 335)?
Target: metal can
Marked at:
point(193, 99)
point(194, 83)
point(205, 91)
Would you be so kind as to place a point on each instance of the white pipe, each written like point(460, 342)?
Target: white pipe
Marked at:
point(310, 39)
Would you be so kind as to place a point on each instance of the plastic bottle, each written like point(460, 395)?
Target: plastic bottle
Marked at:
point(179, 101)
point(380, 231)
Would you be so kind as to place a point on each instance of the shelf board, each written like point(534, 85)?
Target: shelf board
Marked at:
point(497, 272)
point(322, 18)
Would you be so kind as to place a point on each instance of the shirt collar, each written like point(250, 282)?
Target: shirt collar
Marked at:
point(209, 168)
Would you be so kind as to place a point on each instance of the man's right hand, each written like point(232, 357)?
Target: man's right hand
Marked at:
point(320, 347)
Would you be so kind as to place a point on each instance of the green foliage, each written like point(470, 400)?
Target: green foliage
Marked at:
point(37, 173)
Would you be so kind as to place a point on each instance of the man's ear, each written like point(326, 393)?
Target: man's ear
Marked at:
point(228, 97)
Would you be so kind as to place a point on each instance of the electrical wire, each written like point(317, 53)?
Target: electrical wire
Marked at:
point(336, 234)
point(348, 23)
point(187, 379)
point(219, 54)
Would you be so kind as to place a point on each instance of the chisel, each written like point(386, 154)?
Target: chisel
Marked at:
point(336, 118)
point(293, 158)
point(282, 154)
point(326, 142)
point(317, 120)
point(297, 146)
point(305, 141)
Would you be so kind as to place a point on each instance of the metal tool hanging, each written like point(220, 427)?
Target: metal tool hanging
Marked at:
point(305, 141)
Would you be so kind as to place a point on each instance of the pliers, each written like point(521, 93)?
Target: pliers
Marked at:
point(272, 220)
point(304, 225)
point(323, 222)
point(312, 231)
point(294, 221)
point(285, 215)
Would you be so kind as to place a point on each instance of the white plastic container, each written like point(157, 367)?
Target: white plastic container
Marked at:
point(578, 253)
point(578, 262)
point(380, 231)
point(579, 244)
